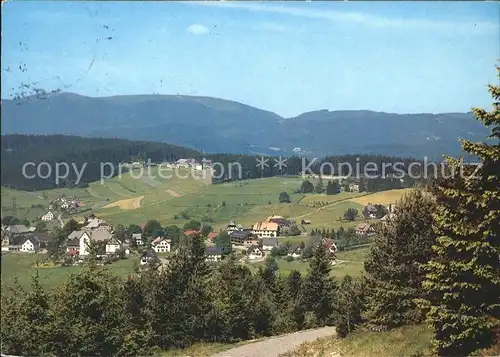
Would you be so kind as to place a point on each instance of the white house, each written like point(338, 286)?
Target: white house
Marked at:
point(49, 216)
point(31, 245)
point(138, 239)
point(83, 243)
point(149, 257)
point(161, 245)
point(254, 252)
point(295, 252)
point(213, 254)
point(113, 246)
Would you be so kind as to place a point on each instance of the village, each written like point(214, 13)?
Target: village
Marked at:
point(273, 236)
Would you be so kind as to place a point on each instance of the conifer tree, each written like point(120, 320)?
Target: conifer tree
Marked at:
point(348, 305)
point(394, 264)
point(463, 280)
point(318, 287)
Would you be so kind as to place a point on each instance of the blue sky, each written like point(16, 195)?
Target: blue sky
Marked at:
point(285, 57)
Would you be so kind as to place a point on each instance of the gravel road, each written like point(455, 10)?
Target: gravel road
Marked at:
point(275, 346)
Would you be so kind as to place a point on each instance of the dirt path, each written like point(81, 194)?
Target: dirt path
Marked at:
point(59, 218)
point(173, 193)
point(275, 346)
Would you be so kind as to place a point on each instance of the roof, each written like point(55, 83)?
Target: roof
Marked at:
point(281, 222)
point(293, 248)
point(270, 241)
point(241, 234)
point(265, 226)
point(137, 235)
point(94, 223)
point(190, 232)
point(76, 234)
point(213, 235)
point(363, 227)
point(104, 235)
point(43, 237)
point(17, 240)
point(149, 254)
point(388, 217)
point(18, 228)
point(273, 216)
point(214, 251)
point(252, 247)
point(114, 240)
point(371, 208)
point(75, 242)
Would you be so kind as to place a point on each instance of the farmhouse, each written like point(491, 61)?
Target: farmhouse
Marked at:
point(365, 229)
point(266, 229)
point(98, 224)
point(269, 243)
point(113, 246)
point(294, 251)
point(49, 216)
point(137, 237)
point(254, 252)
point(149, 257)
point(212, 236)
point(30, 245)
point(245, 238)
point(78, 241)
point(330, 245)
point(213, 254)
point(371, 211)
point(353, 187)
point(161, 245)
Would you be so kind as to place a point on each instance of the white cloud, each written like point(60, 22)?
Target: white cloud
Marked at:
point(360, 18)
point(197, 29)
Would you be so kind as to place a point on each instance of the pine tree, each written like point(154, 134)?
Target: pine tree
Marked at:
point(318, 287)
point(348, 305)
point(463, 280)
point(393, 266)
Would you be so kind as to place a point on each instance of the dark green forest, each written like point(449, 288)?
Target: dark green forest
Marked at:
point(52, 149)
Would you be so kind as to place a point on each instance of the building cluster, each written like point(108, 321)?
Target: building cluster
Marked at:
point(19, 238)
point(63, 203)
point(95, 230)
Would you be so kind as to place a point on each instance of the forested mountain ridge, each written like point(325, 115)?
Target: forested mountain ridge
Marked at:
point(218, 125)
point(17, 150)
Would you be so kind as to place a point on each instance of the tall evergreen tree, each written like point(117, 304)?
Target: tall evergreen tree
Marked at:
point(394, 265)
point(463, 280)
point(318, 287)
point(348, 305)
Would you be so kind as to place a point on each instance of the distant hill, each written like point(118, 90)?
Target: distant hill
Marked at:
point(218, 125)
point(17, 150)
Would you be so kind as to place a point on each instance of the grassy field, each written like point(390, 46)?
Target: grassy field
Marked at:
point(350, 263)
point(403, 341)
point(127, 199)
point(23, 267)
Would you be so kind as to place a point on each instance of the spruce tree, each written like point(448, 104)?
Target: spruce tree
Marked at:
point(463, 280)
point(318, 287)
point(394, 264)
point(348, 305)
